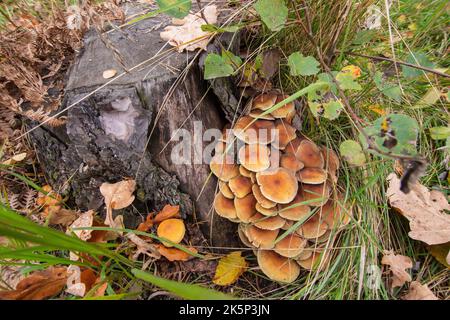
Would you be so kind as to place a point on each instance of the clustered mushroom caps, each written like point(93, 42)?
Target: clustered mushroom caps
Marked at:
point(280, 187)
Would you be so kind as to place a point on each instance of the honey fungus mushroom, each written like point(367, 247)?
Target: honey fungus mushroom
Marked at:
point(253, 131)
point(240, 186)
point(309, 153)
point(278, 185)
point(224, 206)
point(290, 246)
point(255, 157)
point(277, 267)
point(224, 167)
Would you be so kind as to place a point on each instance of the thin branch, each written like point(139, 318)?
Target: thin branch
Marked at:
point(415, 66)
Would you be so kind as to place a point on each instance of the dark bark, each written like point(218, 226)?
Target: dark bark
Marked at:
point(105, 137)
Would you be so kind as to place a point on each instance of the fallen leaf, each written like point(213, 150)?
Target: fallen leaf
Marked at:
point(39, 285)
point(147, 224)
point(80, 282)
point(15, 159)
point(187, 34)
point(11, 275)
point(424, 209)
point(61, 216)
point(85, 220)
point(418, 291)
point(167, 212)
point(174, 254)
point(143, 247)
point(229, 269)
point(441, 252)
point(117, 196)
point(398, 265)
point(110, 73)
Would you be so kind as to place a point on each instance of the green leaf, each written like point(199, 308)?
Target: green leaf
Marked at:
point(389, 90)
point(302, 66)
point(183, 290)
point(352, 152)
point(273, 13)
point(363, 37)
point(175, 8)
point(429, 98)
point(394, 133)
point(416, 58)
point(231, 59)
point(330, 110)
point(347, 82)
point(440, 133)
point(216, 66)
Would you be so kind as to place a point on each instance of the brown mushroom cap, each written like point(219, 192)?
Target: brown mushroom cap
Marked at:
point(244, 172)
point(313, 228)
point(255, 157)
point(292, 146)
point(335, 214)
point(220, 147)
point(225, 190)
point(227, 134)
point(245, 207)
point(260, 238)
point(276, 267)
point(312, 175)
point(285, 133)
point(264, 101)
point(263, 201)
point(318, 258)
point(323, 238)
point(268, 212)
point(243, 237)
point(224, 207)
point(290, 246)
point(305, 254)
point(309, 153)
point(240, 186)
point(278, 185)
point(253, 131)
point(257, 114)
point(172, 230)
point(318, 192)
point(294, 210)
point(331, 162)
point(267, 223)
point(285, 110)
point(289, 161)
point(224, 167)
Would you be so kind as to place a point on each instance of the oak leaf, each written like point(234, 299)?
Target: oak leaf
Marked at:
point(398, 265)
point(229, 269)
point(418, 291)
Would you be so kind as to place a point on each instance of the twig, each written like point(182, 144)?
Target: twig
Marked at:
point(345, 100)
point(415, 66)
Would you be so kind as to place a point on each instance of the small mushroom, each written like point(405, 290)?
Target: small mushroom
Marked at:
point(268, 212)
point(285, 110)
point(253, 131)
point(225, 190)
point(289, 161)
point(323, 238)
point(260, 238)
point(309, 153)
point(245, 207)
point(335, 214)
point(312, 175)
point(267, 223)
point(224, 207)
point(224, 167)
point(277, 267)
point(290, 246)
point(285, 133)
point(172, 230)
point(243, 237)
point(292, 146)
point(255, 157)
point(318, 192)
point(287, 224)
point(313, 228)
point(240, 186)
point(318, 258)
point(331, 162)
point(244, 172)
point(263, 201)
point(264, 101)
point(305, 254)
point(278, 185)
point(295, 210)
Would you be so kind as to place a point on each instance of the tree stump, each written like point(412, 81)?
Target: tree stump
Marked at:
point(124, 130)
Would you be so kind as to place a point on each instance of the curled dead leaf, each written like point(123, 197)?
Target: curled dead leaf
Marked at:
point(418, 291)
point(398, 265)
point(39, 285)
point(117, 196)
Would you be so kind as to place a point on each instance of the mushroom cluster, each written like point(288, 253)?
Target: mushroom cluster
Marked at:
point(281, 189)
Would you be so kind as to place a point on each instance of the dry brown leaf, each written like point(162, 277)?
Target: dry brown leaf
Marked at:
point(424, 209)
point(187, 33)
point(61, 216)
point(147, 224)
point(418, 291)
point(143, 247)
point(80, 282)
point(84, 221)
point(11, 275)
point(398, 265)
point(39, 285)
point(174, 254)
point(117, 196)
point(167, 212)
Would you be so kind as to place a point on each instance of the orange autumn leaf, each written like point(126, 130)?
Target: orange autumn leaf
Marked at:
point(174, 254)
point(167, 212)
point(39, 285)
point(147, 224)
